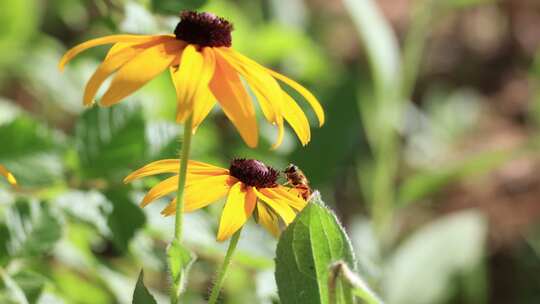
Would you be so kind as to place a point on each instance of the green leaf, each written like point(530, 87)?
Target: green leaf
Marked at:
point(110, 141)
point(305, 252)
point(426, 267)
point(125, 219)
point(342, 276)
point(141, 295)
point(33, 229)
point(174, 7)
point(32, 153)
point(31, 284)
point(14, 292)
point(180, 260)
point(425, 183)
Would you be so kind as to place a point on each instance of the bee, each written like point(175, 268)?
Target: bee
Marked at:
point(297, 179)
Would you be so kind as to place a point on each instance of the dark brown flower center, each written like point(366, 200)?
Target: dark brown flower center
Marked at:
point(204, 29)
point(254, 173)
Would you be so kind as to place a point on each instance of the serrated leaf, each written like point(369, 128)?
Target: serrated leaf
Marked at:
point(141, 295)
point(180, 260)
point(174, 7)
point(110, 141)
point(33, 229)
point(305, 251)
point(125, 219)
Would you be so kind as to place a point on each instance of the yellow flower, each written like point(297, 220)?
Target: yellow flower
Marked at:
point(10, 178)
point(204, 68)
point(249, 185)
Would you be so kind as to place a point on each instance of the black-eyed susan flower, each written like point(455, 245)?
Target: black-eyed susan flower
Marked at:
point(5, 173)
point(204, 69)
point(249, 185)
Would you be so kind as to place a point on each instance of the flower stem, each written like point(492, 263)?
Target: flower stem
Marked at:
point(223, 270)
point(184, 157)
point(179, 219)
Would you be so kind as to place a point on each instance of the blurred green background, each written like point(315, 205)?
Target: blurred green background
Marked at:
point(429, 155)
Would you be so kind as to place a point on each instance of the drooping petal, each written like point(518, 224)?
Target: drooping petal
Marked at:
point(238, 208)
point(71, 53)
point(202, 107)
point(297, 119)
point(160, 190)
point(202, 193)
point(141, 69)
point(265, 87)
point(236, 103)
point(268, 219)
point(119, 54)
point(288, 196)
point(191, 79)
point(173, 166)
point(310, 98)
point(5, 173)
point(278, 206)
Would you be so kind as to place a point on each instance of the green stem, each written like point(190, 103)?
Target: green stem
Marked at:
point(184, 157)
point(223, 270)
point(179, 219)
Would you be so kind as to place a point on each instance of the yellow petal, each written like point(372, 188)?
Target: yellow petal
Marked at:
point(236, 103)
point(281, 132)
point(288, 196)
point(202, 193)
point(278, 206)
point(5, 173)
point(265, 87)
point(70, 54)
point(119, 54)
point(268, 220)
point(310, 98)
point(173, 166)
point(297, 119)
point(191, 79)
point(238, 208)
point(160, 190)
point(141, 69)
point(202, 107)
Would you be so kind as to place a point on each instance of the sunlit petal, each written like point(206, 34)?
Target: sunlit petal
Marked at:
point(278, 206)
point(191, 79)
point(310, 98)
point(288, 196)
point(100, 41)
point(119, 54)
point(172, 166)
point(236, 103)
point(238, 208)
point(266, 89)
point(160, 190)
point(141, 69)
point(203, 106)
point(202, 193)
point(297, 119)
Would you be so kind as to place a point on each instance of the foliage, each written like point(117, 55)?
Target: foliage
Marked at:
point(419, 126)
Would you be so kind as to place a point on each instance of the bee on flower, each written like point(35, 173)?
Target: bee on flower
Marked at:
point(205, 70)
point(250, 187)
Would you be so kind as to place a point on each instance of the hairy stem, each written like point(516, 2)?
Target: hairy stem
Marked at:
point(220, 276)
point(179, 219)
